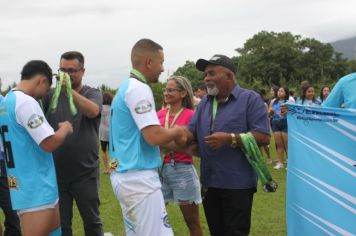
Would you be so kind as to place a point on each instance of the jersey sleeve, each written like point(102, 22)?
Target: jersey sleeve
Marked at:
point(30, 116)
point(139, 99)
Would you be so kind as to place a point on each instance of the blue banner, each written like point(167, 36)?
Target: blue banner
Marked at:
point(321, 178)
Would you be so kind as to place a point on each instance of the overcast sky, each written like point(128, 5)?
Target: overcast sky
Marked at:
point(105, 30)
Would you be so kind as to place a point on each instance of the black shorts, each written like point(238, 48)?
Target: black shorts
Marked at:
point(279, 125)
point(104, 145)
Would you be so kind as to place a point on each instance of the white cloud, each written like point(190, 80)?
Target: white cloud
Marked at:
point(104, 31)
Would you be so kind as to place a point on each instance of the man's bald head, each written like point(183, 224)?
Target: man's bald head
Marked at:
point(142, 49)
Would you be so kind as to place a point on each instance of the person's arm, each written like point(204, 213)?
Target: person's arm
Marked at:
point(52, 142)
point(188, 143)
point(86, 106)
point(30, 116)
point(220, 139)
point(157, 135)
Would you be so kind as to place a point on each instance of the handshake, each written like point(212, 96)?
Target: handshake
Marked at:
point(181, 135)
point(183, 141)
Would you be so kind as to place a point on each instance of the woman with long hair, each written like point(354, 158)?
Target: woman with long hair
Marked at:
point(324, 93)
point(179, 179)
point(307, 98)
point(279, 126)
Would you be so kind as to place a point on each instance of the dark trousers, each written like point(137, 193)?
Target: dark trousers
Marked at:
point(228, 211)
point(12, 222)
point(85, 192)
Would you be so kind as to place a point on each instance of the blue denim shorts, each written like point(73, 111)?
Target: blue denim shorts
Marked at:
point(180, 183)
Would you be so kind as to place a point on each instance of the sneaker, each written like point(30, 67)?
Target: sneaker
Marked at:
point(278, 166)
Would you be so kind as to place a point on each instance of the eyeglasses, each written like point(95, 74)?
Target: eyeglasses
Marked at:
point(170, 90)
point(70, 70)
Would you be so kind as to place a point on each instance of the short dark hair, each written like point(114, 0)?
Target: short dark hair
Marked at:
point(202, 87)
point(143, 45)
point(36, 67)
point(107, 98)
point(72, 55)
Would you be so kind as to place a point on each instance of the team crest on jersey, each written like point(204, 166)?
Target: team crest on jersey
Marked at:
point(35, 121)
point(143, 106)
point(12, 181)
point(113, 165)
point(165, 220)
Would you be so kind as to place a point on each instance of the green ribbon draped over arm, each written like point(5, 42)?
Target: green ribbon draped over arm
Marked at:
point(62, 76)
point(254, 157)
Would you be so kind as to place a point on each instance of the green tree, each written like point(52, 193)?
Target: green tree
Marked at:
point(189, 71)
point(286, 59)
point(104, 88)
point(157, 90)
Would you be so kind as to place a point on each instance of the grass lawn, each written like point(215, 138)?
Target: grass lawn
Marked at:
point(268, 216)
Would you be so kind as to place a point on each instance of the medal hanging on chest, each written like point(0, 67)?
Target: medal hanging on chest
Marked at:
point(167, 126)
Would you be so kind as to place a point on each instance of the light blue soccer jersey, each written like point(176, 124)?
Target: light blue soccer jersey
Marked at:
point(30, 170)
point(133, 109)
point(343, 94)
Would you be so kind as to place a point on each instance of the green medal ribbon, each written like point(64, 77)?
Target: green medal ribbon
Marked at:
point(215, 108)
point(139, 75)
point(254, 157)
point(166, 125)
point(62, 76)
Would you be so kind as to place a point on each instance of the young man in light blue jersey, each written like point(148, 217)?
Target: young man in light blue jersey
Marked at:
point(28, 141)
point(343, 94)
point(135, 134)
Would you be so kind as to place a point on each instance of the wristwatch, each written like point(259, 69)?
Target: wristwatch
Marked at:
point(233, 141)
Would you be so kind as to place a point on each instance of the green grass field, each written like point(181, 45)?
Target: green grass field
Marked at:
point(268, 216)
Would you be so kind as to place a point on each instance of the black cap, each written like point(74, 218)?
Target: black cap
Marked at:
point(217, 59)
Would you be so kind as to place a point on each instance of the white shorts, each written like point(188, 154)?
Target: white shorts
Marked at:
point(39, 208)
point(142, 204)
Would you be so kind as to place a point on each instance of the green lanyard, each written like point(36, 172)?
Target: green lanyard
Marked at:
point(139, 75)
point(215, 108)
point(166, 125)
point(54, 101)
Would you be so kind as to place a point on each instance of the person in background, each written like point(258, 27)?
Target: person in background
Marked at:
point(77, 160)
point(12, 221)
point(201, 91)
point(291, 94)
point(269, 160)
point(104, 129)
point(324, 93)
point(28, 141)
point(273, 94)
point(279, 126)
point(303, 84)
point(307, 97)
point(199, 94)
point(180, 182)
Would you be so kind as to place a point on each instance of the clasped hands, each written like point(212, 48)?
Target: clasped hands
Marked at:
point(214, 141)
